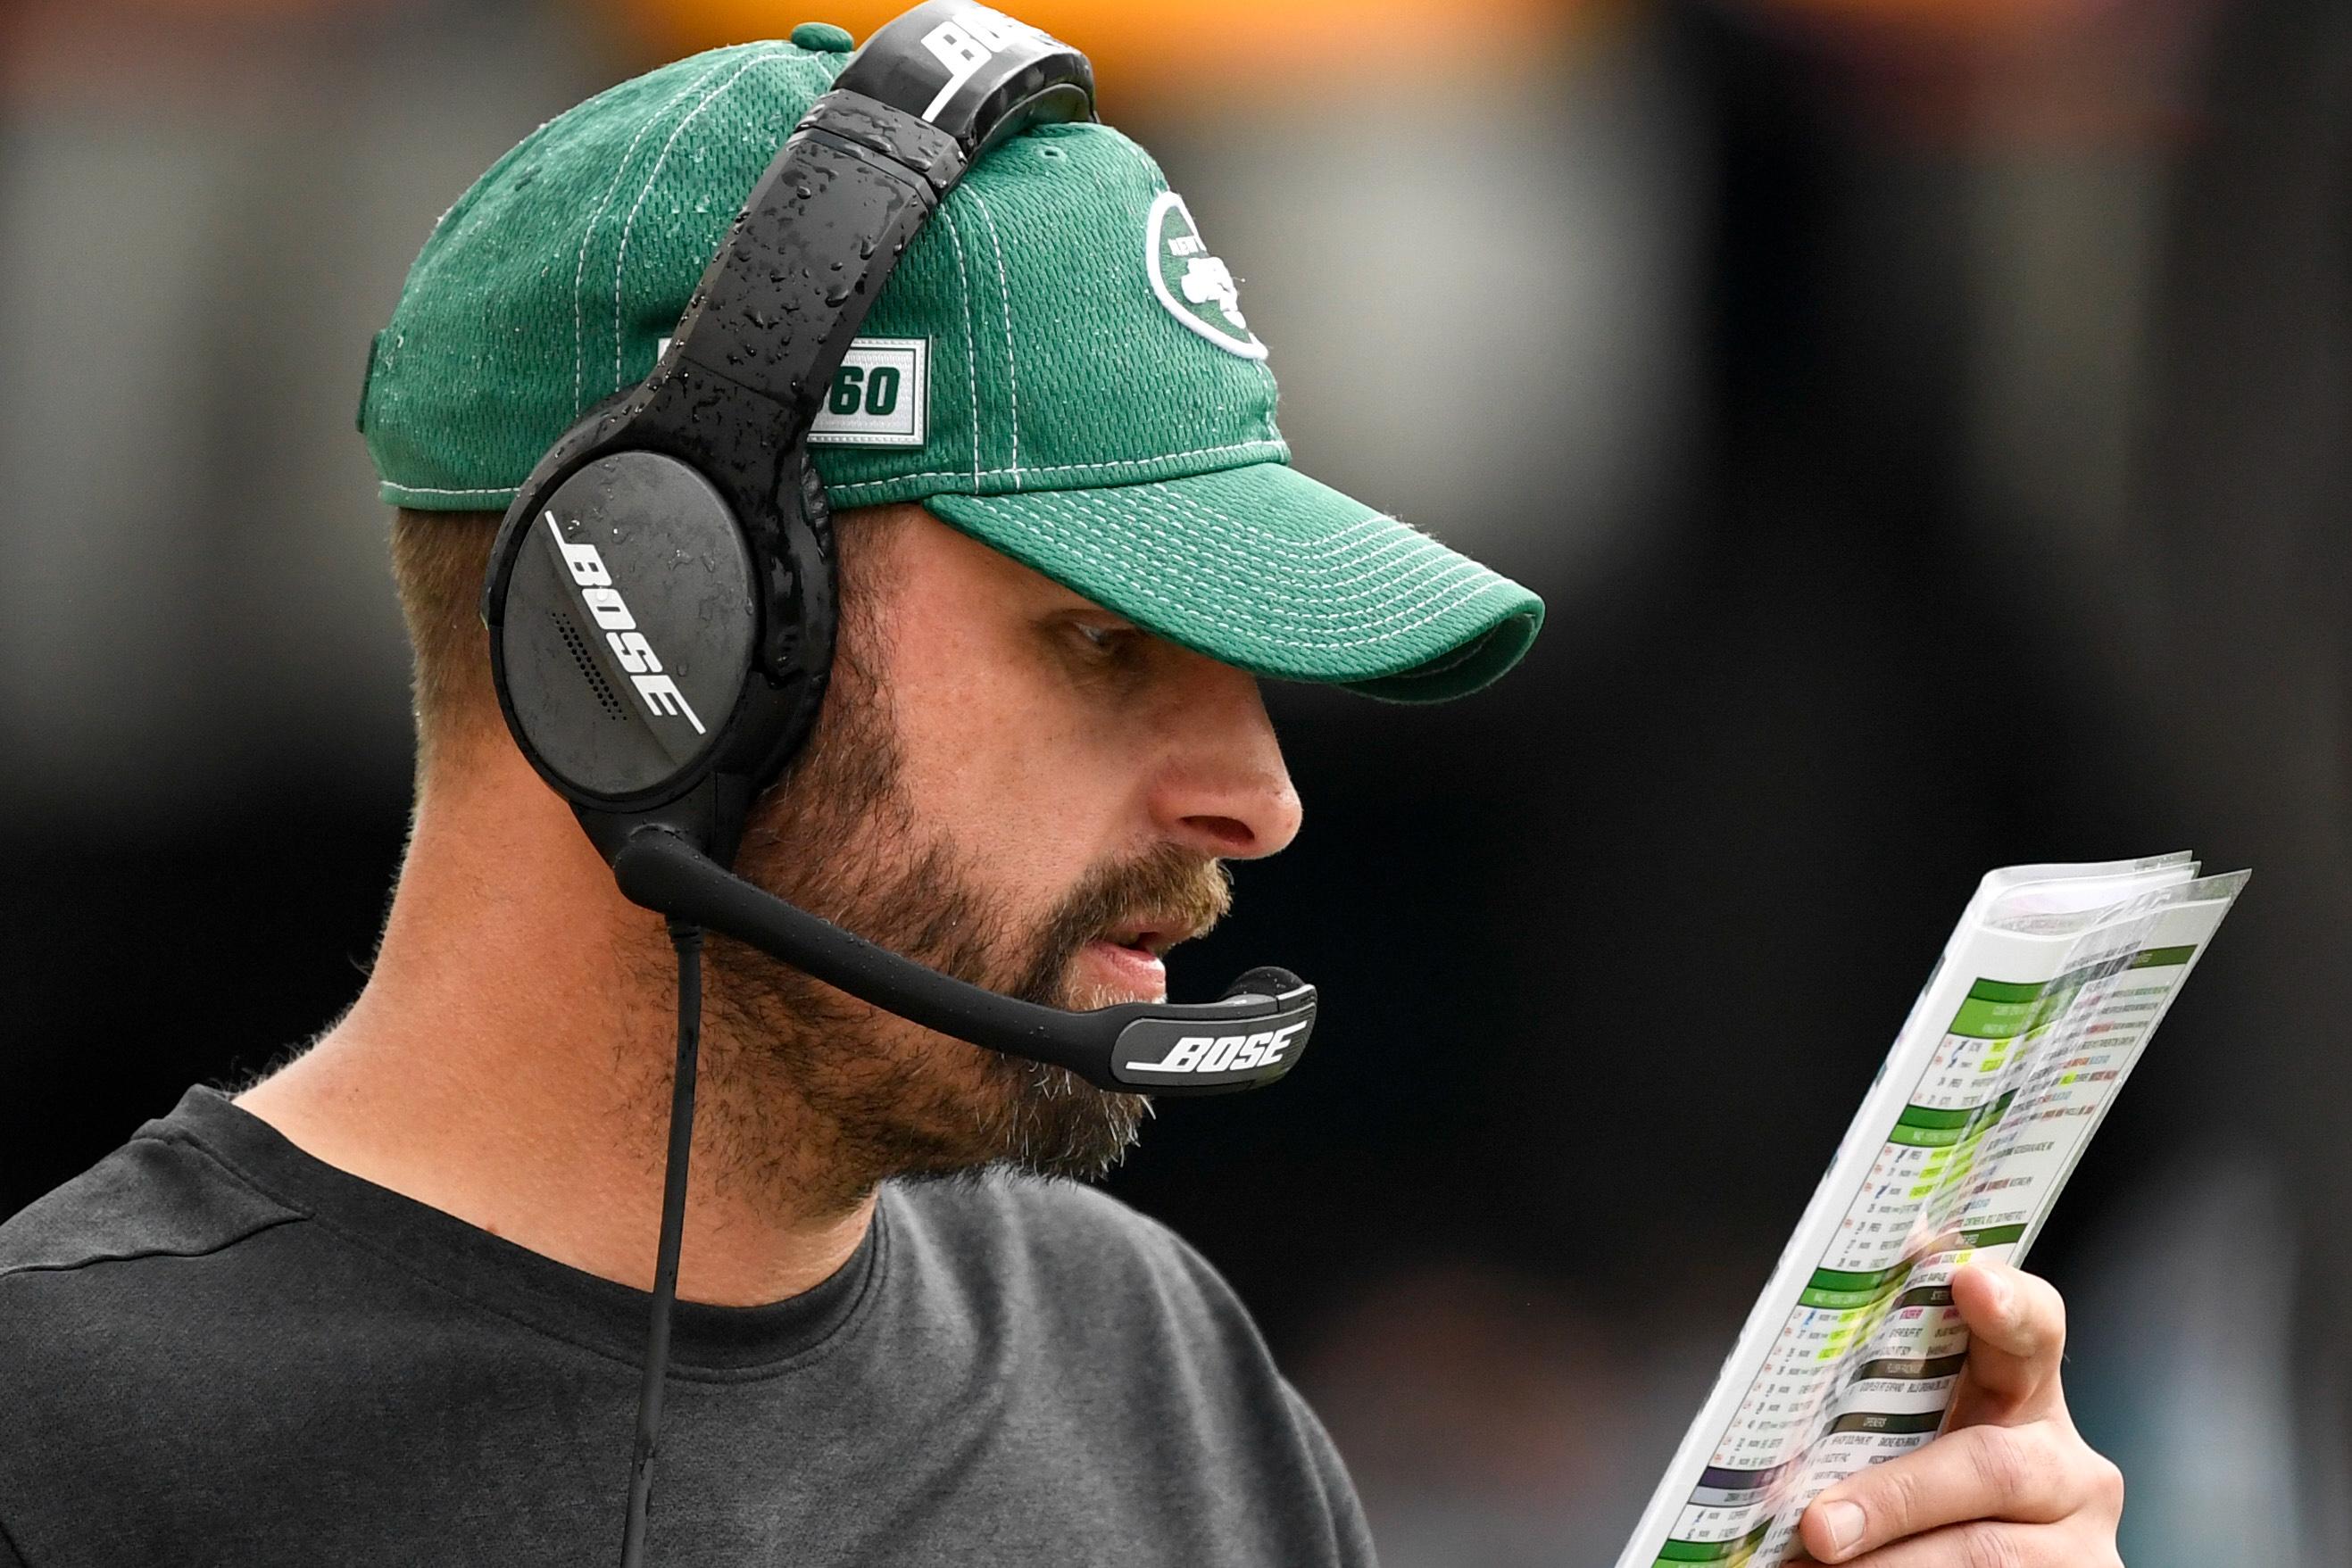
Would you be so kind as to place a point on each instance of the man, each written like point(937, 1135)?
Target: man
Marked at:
point(384, 1306)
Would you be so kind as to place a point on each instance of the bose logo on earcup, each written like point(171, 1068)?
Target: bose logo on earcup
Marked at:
point(603, 601)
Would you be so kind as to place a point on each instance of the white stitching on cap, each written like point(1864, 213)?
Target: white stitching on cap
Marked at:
point(1451, 603)
point(971, 356)
point(580, 272)
point(621, 260)
point(977, 473)
point(1188, 609)
point(1338, 542)
point(431, 490)
point(1185, 610)
point(1219, 554)
point(1336, 545)
point(1393, 635)
point(1004, 295)
point(1407, 538)
point(1436, 571)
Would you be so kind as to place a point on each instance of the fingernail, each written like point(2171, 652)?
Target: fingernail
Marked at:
point(1844, 1521)
point(2004, 1297)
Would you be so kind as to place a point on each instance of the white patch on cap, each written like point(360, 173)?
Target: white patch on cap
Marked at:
point(1198, 289)
point(881, 396)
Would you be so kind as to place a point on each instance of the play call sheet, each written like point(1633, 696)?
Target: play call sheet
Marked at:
point(2042, 1003)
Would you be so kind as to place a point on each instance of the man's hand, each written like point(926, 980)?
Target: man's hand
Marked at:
point(2011, 1484)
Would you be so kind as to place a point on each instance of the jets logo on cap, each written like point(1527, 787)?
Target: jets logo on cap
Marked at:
point(1198, 289)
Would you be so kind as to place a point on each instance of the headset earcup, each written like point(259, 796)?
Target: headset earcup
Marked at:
point(629, 617)
point(661, 643)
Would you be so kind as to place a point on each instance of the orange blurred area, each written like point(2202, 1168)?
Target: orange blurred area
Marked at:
point(1152, 49)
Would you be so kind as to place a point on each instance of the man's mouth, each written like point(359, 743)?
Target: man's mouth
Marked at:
point(1150, 937)
point(1127, 957)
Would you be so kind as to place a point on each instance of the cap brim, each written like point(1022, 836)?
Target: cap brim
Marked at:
point(1264, 569)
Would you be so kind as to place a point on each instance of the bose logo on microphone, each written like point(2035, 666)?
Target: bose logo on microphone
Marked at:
point(603, 600)
point(1222, 1052)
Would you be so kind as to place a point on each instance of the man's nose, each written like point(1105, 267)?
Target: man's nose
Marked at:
point(1223, 789)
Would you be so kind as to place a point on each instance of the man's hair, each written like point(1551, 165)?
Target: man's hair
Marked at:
point(438, 562)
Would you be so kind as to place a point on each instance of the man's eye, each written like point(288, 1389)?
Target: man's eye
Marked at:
point(1104, 640)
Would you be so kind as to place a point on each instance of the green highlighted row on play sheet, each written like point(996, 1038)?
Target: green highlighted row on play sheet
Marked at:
point(1837, 1289)
point(1730, 1553)
point(1955, 1118)
point(1999, 1009)
point(1929, 1127)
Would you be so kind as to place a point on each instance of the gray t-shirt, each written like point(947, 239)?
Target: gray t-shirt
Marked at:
point(215, 1349)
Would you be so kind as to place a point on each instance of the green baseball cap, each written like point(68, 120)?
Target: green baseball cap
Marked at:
point(1059, 367)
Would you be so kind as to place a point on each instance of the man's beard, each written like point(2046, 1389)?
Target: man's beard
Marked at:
point(821, 1092)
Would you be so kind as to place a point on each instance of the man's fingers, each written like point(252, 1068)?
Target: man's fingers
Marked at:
point(2017, 1334)
point(1991, 1546)
point(2017, 1473)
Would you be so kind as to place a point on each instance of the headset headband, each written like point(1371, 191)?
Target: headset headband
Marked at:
point(825, 225)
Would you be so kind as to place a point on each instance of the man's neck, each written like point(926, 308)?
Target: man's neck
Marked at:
point(509, 1063)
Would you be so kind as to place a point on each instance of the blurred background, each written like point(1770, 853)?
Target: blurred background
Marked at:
point(1927, 420)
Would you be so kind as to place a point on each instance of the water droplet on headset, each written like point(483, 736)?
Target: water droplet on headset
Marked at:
point(836, 294)
point(865, 246)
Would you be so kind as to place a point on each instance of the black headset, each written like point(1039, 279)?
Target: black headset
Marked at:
point(661, 601)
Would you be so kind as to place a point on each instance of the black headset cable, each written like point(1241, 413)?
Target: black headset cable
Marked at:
point(687, 940)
